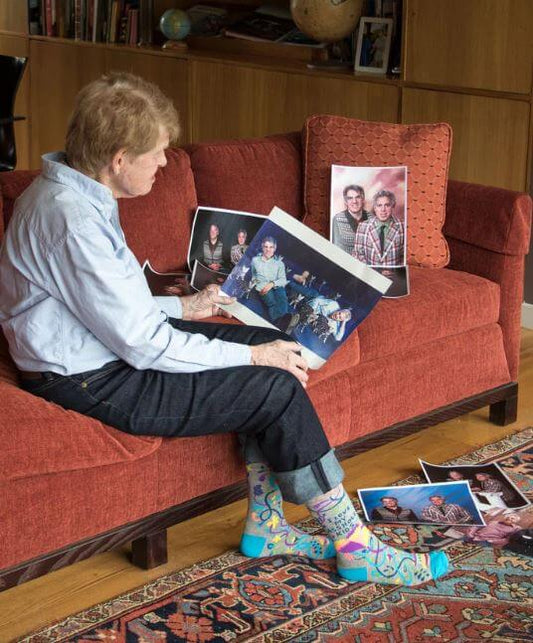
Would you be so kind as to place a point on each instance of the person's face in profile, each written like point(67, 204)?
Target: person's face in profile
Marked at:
point(213, 233)
point(354, 202)
point(135, 175)
point(268, 249)
point(383, 209)
point(241, 238)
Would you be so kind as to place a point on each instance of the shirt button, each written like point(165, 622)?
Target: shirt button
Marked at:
point(84, 385)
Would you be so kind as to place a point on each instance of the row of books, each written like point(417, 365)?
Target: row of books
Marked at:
point(110, 21)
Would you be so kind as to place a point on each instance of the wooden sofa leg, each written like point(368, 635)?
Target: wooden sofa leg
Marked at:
point(506, 411)
point(150, 551)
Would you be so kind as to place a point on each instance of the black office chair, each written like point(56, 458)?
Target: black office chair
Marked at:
point(11, 71)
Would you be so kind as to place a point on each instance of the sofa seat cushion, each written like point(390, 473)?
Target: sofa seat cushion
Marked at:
point(441, 303)
point(39, 437)
point(251, 175)
point(424, 149)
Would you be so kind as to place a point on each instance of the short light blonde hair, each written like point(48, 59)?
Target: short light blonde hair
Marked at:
point(117, 111)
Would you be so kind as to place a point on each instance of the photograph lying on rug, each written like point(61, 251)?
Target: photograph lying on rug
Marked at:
point(503, 527)
point(446, 503)
point(219, 238)
point(293, 279)
point(368, 219)
point(167, 283)
point(490, 486)
point(203, 276)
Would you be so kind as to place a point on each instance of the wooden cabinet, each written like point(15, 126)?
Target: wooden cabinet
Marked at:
point(489, 134)
point(232, 101)
point(481, 44)
point(467, 62)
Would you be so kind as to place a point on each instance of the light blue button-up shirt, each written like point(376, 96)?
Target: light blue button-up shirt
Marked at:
point(265, 271)
point(72, 295)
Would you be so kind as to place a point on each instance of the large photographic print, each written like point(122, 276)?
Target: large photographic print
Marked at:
point(293, 279)
point(220, 237)
point(492, 489)
point(446, 503)
point(368, 219)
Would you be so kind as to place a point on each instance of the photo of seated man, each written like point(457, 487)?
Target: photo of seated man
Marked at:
point(391, 511)
point(270, 278)
point(322, 313)
point(440, 511)
point(344, 223)
point(213, 249)
point(380, 241)
point(494, 491)
point(238, 250)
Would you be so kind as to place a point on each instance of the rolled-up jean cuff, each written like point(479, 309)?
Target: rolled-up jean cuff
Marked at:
point(301, 485)
point(250, 449)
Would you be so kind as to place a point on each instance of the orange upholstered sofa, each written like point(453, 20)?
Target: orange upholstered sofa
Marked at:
point(71, 486)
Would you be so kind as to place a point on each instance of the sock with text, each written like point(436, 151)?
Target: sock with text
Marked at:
point(361, 556)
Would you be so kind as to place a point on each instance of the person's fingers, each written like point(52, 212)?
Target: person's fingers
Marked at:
point(299, 374)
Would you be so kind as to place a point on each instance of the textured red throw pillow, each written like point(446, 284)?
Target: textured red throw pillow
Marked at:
point(424, 149)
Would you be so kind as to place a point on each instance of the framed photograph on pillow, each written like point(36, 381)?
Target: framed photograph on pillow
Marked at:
point(373, 45)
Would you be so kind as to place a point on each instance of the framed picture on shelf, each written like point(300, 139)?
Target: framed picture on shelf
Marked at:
point(373, 45)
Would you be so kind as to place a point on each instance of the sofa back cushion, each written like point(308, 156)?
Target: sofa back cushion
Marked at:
point(158, 225)
point(424, 149)
point(251, 175)
point(12, 185)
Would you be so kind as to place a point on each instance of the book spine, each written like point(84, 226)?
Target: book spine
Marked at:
point(48, 18)
point(78, 21)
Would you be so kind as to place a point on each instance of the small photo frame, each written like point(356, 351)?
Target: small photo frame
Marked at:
point(373, 45)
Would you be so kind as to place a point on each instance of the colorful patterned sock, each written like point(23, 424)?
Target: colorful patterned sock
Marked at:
point(266, 532)
point(361, 556)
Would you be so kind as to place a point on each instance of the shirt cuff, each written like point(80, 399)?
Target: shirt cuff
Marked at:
point(171, 306)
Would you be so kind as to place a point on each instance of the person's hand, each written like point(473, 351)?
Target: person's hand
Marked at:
point(268, 287)
point(205, 303)
point(281, 354)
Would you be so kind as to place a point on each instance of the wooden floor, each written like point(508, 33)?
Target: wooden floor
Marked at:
point(52, 597)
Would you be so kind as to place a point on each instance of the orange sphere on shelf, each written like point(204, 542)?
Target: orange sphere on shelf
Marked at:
point(326, 20)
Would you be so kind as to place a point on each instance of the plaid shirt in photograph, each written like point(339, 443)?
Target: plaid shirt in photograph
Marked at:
point(452, 514)
point(367, 247)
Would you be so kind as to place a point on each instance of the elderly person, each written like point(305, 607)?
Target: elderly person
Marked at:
point(86, 333)
point(380, 240)
point(344, 223)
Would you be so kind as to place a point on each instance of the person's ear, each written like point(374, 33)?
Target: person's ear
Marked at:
point(117, 162)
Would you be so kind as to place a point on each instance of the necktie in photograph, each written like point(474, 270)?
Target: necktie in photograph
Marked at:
point(382, 238)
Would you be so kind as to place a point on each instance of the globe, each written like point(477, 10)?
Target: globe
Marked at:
point(175, 24)
point(326, 20)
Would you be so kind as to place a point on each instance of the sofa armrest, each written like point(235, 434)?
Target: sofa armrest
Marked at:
point(487, 217)
point(488, 230)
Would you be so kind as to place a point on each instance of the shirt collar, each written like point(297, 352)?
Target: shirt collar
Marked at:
point(55, 168)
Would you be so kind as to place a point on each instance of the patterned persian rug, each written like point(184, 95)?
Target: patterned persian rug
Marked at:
point(487, 596)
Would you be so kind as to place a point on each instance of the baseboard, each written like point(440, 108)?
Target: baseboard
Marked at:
point(527, 316)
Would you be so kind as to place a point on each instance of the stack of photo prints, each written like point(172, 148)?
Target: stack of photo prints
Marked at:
point(284, 275)
point(477, 503)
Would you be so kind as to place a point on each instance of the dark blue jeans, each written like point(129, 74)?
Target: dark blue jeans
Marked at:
point(267, 407)
point(276, 302)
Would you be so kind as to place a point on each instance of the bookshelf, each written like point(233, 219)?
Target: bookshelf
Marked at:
point(242, 89)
